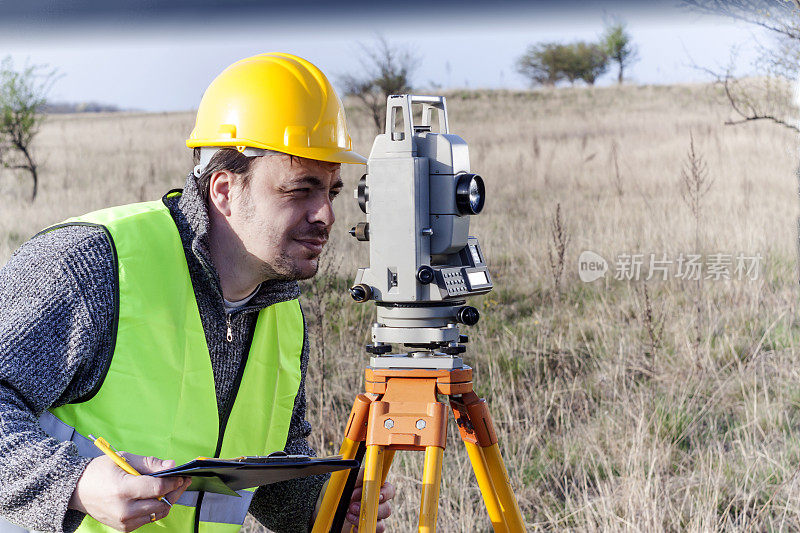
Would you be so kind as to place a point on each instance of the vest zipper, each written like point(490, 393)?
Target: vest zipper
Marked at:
point(223, 423)
point(229, 334)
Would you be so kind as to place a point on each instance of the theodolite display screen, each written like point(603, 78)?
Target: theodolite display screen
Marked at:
point(477, 278)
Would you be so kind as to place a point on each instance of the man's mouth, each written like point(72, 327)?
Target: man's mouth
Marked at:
point(313, 244)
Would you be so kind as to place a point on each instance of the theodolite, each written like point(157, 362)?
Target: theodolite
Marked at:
point(418, 196)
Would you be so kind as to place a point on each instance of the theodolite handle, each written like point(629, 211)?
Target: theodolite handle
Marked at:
point(423, 99)
point(401, 104)
point(433, 102)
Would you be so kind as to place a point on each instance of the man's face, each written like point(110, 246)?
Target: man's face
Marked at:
point(285, 212)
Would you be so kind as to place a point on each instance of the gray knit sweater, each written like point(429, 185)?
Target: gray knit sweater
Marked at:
point(56, 316)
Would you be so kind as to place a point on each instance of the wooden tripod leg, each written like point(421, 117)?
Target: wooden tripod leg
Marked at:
point(368, 518)
point(477, 431)
point(354, 436)
point(431, 480)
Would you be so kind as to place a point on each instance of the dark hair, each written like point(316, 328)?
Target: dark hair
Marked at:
point(225, 159)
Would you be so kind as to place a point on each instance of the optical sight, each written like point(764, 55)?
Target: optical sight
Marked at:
point(418, 195)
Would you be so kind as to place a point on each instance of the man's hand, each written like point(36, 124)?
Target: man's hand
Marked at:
point(124, 501)
point(384, 507)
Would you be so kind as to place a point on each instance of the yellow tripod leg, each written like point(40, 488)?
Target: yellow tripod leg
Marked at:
point(333, 492)
point(431, 479)
point(486, 486)
point(368, 517)
point(502, 486)
point(388, 455)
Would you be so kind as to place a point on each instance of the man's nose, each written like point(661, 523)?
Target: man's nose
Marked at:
point(322, 212)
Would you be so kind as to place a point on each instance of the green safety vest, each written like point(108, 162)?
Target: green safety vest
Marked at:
point(158, 396)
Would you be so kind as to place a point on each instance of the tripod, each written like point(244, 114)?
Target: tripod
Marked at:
point(401, 411)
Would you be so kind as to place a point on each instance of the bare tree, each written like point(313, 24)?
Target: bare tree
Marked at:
point(22, 96)
point(386, 69)
point(767, 97)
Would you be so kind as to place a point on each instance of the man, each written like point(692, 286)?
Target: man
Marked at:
point(172, 328)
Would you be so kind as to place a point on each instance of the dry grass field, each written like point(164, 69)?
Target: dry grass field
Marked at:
point(621, 405)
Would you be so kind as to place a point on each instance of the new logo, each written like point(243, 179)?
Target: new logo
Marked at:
point(591, 266)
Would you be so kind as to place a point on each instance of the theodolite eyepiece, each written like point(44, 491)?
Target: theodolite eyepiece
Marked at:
point(425, 274)
point(361, 293)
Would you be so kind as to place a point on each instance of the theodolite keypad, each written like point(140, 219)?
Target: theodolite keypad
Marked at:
point(454, 282)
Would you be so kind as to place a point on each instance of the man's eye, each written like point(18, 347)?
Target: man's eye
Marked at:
point(334, 194)
point(304, 190)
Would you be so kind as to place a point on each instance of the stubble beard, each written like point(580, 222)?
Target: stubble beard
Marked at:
point(286, 269)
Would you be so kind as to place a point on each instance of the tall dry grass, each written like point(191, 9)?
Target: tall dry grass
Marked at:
point(620, 405)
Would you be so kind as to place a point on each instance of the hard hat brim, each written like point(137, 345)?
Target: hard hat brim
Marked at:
point(318, 154)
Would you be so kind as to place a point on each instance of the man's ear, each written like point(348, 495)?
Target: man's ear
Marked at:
point(220, 186)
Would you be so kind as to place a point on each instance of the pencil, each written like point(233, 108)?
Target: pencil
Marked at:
point(120, 461)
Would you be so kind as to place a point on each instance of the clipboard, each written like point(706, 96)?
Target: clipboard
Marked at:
point(225, 476)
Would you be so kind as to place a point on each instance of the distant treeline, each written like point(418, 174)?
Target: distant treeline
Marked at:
point(548, 63)
point(79, 107)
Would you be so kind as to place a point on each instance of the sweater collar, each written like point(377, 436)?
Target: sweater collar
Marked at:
point(191, 216)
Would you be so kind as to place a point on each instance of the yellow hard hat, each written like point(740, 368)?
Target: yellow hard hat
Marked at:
point(275, 102)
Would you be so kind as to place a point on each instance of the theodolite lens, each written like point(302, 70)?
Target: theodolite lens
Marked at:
point(470, 194)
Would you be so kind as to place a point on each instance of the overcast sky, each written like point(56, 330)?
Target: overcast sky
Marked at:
point(143, 55)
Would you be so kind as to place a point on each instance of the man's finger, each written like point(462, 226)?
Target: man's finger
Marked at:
point(147, 465)
point(360, 478)
point(175, 495)
point(148, 487)
point(140, 508)
point(142, 512)
point(384, 510)
point(387, 491)
point(154, 464)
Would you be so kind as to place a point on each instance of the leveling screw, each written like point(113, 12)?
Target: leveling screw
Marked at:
point(389, 423)
point(420, 424)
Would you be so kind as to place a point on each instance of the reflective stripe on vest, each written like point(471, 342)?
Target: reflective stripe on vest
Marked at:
point(158, 396)
point(220, 508)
